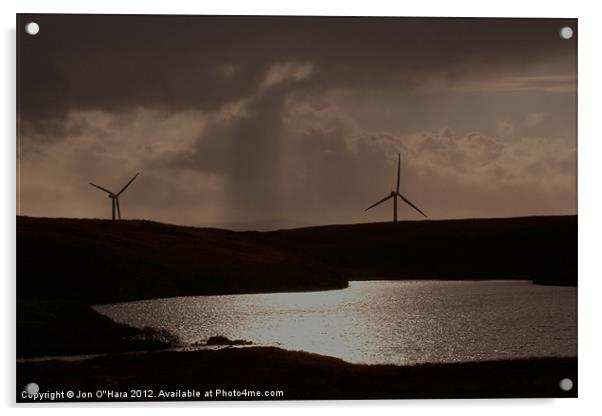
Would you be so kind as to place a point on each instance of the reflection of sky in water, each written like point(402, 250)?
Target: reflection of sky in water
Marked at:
point(380, 321)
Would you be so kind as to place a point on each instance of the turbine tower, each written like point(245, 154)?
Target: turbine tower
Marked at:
point(115, 197)
point(395, 194)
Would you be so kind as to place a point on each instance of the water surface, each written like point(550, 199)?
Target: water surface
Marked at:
point(394, 322)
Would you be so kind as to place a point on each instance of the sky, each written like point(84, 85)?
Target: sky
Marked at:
point(269, 122)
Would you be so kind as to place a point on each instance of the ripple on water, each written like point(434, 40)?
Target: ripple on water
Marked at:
point(396, 322)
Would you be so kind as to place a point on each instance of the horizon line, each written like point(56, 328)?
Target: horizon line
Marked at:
point(217, 227)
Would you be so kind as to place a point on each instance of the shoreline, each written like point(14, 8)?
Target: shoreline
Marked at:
point(336, 288)
point(209, 347)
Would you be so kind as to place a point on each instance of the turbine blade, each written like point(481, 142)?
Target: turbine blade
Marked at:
point(410, 204)
point(127, 184)
point(101, 188)
point(398, 170)
point(379, 202)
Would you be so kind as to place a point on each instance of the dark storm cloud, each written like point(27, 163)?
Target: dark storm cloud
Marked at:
point(202, 62)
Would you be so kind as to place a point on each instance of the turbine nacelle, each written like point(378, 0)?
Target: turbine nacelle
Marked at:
point(396, 194)
point(116, 210)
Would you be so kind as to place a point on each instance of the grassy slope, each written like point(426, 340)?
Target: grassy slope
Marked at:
point(104, 261)
point(302, 375)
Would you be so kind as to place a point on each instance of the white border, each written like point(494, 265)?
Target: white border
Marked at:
point(590, 201)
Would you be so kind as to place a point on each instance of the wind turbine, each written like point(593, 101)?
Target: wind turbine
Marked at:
point(115, 196)
point(395, 194)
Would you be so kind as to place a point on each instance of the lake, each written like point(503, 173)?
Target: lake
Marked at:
point(393, 322)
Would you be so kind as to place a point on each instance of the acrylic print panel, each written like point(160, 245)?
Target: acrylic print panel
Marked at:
point(281, 208)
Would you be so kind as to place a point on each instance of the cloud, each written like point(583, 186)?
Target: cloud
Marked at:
point(505, 128)
point(447, 132)
point(229, 122)
point(563, 83)
point(535, 119)
point(178, 63)
point(284, 155)
point(281, 72)
point(53, 177)
point(496, 163)
point(452, 175)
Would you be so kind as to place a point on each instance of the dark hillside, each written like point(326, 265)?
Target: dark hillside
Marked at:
point(543, 249)
point(100, 261)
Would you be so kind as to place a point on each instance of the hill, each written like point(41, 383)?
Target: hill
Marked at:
point(543, 249)
point(97, 261)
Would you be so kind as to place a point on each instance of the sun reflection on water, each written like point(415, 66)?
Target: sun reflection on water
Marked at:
point(380, 321)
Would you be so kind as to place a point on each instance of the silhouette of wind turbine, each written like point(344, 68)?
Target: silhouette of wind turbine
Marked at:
point(395, 194)
point(115, 196)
